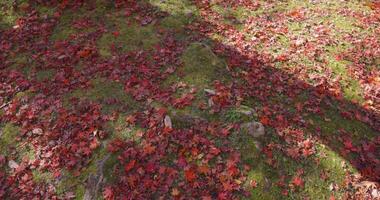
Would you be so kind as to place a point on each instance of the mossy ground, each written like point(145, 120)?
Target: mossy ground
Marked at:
point(200, 68)
point(101, 91)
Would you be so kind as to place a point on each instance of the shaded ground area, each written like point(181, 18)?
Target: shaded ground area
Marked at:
point(181, 99)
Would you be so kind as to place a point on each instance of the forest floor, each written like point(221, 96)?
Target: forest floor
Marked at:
point(190, 99)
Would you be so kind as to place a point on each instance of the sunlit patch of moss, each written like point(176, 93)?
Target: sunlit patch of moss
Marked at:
point(351, 87)
point(71, 183)
point(201, 66)
point(101, 90)
point(9, 13)
point(131, 37)
point(8, 136)
point(175, 7)
point(331, 164)
point(45, 74)
point(353, 91)
point(265, 188)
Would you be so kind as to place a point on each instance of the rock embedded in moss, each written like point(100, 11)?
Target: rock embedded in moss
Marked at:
point(255, 129)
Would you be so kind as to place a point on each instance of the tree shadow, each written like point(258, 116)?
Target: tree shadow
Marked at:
point(284, 100)
point(347, 128)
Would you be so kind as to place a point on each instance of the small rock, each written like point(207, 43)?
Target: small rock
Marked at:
point(61, 57)
point(12, 164)
point(256, 129)
point(167, 122)
point(37, 131)
point(375, 193)
point(209, 91)
point(210, 103)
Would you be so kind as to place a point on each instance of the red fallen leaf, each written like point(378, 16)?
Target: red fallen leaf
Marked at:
point(94, 144)
point(348, 144)
point(374, 5)
point(84, 53)
point(297, 181)
point(108, 193)
point(190, 175)
point(203, 169)
point(148, 149)
point(175, 192)
point(264, 120)
point(227, 186)
point(332, 197)
point(130, 165)
point(131, 119)
point(57, 174)
point(284, 192)
point(282, 57)
point(116, 33)
point(233, 171)
point(297, 14)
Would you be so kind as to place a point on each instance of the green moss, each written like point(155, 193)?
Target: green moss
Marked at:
point(101, 90)
point(121, 129)
point(109, 167)
point(175, 7)
point(8, 13)
point(43, 10)
point(331, 164)
point(177, 25)
point(201, 66)
point(64, 28)
point(8, 137)
point(334, 122)
point(265, 189)
point(131, 37)
point(45, 75)
point(351, 87)
point(42, 177)
point(245, 143)
point(23, 94)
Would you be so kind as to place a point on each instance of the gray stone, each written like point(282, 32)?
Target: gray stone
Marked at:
point(256, 129)
point(210, 92)
point(12, 164)
point(168, 122)
point(37, 131)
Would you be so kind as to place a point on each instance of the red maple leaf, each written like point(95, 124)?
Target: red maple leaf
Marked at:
point(108, 193)
point(190, 175)
point(297, 181)
point(130, 165)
